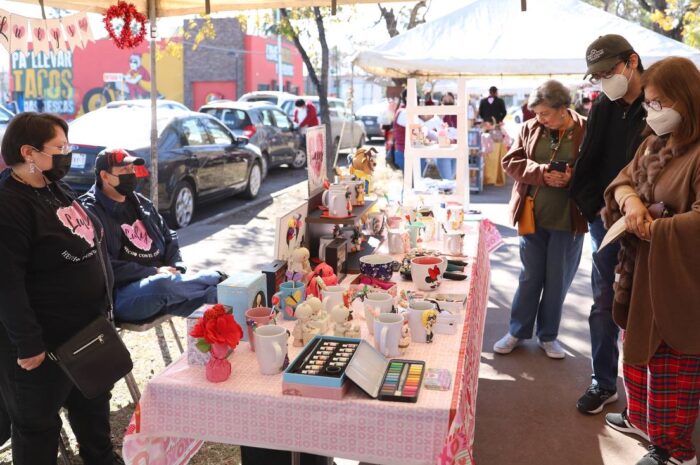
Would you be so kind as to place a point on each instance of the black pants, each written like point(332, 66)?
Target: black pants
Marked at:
point(33, 400)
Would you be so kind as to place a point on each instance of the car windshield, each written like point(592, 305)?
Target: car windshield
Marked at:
point(262, 98)
point(129, 128)
point(232, 118)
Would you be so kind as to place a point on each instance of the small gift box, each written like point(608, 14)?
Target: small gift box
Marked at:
point(194, 355)
point(242, 291)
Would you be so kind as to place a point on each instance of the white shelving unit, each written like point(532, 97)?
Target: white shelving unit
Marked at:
point(459, 151)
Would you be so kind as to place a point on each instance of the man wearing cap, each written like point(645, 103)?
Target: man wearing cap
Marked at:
point(149, 275)
point(492, 108)
point(613, 133)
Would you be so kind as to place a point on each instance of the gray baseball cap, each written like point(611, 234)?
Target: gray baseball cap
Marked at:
point(604, 53)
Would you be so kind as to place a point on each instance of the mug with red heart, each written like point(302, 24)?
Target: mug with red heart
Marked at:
point(426, 272)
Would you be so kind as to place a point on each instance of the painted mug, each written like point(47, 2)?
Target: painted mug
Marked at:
point(426, 272)
point(397, 241)
point(291, 294)
point(454, 243)
point(422, 316)
point(387, 333)
point(271, 342)
point(455, 217)
point(336, 200)
point(255, 317)
point(377, 266)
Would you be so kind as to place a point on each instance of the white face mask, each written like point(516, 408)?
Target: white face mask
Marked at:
point(664, 121)
point(615, 87)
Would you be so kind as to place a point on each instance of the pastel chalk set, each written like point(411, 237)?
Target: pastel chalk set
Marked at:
point(393, 380)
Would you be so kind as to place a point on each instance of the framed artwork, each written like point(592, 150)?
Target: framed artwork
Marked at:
point(316, 158)
point(416, 137)
point(290, 231)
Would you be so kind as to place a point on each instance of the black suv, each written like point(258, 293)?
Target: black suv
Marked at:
point(267, 127)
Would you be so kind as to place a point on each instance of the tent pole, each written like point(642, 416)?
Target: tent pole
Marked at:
point(154, 105)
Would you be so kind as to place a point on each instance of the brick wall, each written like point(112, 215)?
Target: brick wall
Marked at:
point(221, 59)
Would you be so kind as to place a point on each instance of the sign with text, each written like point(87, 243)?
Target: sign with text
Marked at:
point(46, 80)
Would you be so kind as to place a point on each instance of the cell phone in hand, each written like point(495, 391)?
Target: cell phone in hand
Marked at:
point(558, 166)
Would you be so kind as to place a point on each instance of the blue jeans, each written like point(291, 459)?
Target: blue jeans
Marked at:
point(398, 159)
point(604, 331)
point(175, 294)
point(550, 260)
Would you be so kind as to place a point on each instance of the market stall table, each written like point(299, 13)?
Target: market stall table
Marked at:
point(180, 409)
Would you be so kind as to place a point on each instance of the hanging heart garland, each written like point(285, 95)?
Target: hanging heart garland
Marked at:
point(125, 25)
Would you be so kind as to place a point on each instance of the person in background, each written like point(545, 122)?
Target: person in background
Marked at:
point(550, 256)
point(613, 133)
point(399, 130)
point(527, 113)
point(584, 107)
point(492, 108)
point(52, 285)
point(149, 274)
point(656, 298)
point(305, 115)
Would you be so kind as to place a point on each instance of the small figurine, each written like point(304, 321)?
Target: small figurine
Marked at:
point(356, 240)
point(360, 193)
point(405, 339)
point(303, 331)
point(429, 318)
point(343, 325)
point(362, 165)
point(323, 275)
point(319, 318)
point(298, 266)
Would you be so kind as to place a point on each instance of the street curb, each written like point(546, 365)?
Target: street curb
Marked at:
point(220, 216)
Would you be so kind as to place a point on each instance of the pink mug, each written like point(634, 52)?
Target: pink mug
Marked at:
point(257, 316)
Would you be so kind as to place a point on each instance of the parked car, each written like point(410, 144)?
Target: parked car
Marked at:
point(371, 116)
point(266, 126)
point(199, 159)
point(161, 104)
point(270, 96)
point(5, 117)
point(354, 135)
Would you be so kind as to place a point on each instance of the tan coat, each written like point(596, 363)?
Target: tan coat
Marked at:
point(520, 165)
point(665, 294)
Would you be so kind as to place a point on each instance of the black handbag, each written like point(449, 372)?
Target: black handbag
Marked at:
point(95, 358)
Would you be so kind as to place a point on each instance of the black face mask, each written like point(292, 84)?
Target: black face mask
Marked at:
point(127, 184)
point(60, 165)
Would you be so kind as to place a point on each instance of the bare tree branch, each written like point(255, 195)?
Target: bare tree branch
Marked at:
point(414, 20)
point(390, 20)
point(302, 51)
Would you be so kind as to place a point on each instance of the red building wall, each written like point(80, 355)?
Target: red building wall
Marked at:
point(261, 65)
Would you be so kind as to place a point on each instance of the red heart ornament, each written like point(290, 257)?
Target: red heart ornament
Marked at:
point(71, 30)
point(83, 23)
point(18, 31)
point(39, 34)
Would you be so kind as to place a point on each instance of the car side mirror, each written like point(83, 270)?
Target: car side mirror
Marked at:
point(241, 140)
point(183, 140)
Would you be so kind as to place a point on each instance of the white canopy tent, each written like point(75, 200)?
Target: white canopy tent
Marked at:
point(495, 38)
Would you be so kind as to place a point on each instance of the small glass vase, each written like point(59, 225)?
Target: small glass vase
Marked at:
point(218, 368)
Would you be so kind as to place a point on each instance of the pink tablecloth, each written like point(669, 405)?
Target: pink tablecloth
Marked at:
point(180, 409)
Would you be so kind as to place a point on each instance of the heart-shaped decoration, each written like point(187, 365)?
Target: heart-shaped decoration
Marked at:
point(138, 235)
point(18, 31)
point(135, 27)
point(56, 34)
point(125, 25)
point(83, 24)
point(76, 220)
point(71, 30)
point(39, 34)
point(117, 25)
point(4, 24)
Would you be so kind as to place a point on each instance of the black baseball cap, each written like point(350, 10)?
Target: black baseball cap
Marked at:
point(109, 158)
point(604, 53)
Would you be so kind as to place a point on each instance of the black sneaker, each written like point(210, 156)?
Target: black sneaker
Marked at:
point(656, 456)
point(620, 422)
point(594, 399)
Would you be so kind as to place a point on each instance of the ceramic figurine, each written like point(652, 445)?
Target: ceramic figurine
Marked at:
point(429, 319)
point(362, 165)
point(356, 240)
point(298, 266)
point(405, 339)
point(303, 330)
point(360, 193)
point(343, 325)
point(323, 275)
point(319, 318)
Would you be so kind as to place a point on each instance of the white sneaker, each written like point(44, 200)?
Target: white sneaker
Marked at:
point(552, 348)
point(506, 344)
point(675, 461)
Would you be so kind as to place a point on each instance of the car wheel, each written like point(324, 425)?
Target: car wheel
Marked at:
point(361, 142)
point(299, 160)
point(182, 209)
point(265, 164)
point(254, 182)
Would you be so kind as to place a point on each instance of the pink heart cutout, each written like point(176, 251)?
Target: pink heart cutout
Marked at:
point(18, 31)
point(76, 220)
point(138, 235)
point(39, 34)
point(71, 30)
point(56, 34)
point(83, 23)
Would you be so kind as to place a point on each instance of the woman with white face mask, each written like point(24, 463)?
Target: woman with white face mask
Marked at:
point(656, 297)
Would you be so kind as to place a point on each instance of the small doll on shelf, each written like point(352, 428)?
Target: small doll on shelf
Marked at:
point(298, 266)
point(303, 331)
point(343, 325)
point(429, 318)
point(356, 240)
point(360, 193)
point(405, 339)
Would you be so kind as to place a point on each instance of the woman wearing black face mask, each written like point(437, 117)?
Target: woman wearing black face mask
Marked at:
point(51, 286)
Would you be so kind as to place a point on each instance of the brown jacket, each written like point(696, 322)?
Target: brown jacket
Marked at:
point(519, 164)
point(665, 296)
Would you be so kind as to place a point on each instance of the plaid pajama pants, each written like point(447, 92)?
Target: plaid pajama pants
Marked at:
point(663, 399)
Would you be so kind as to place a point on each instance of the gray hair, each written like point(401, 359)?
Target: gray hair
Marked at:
point(551, 93)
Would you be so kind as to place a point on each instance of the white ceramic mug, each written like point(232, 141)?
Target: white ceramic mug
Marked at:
point(427, 271)
point(322, 244)
point(415, 319)
point(455, 217)
point(332, 296)
point(336, 201)
point(271, 348)
point(376, 303)
point(454, 242)
point(351, 186)
point(387, 333)
point(396, 241)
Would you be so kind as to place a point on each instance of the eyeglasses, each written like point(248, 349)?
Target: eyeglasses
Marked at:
point(596, 78)
point(652, 105)
point(63, 149)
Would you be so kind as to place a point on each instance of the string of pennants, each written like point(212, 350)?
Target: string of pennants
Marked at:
point(45, 35)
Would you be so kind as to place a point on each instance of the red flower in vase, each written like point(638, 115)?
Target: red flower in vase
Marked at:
point(217, 327)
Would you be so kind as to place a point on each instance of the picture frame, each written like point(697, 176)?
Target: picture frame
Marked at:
point(316, 163)
point(290, 231)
